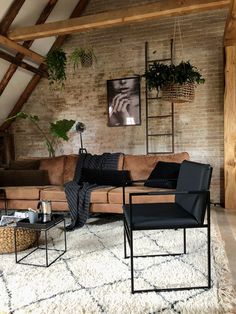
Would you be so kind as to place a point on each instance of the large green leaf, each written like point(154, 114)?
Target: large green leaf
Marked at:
point(61, 127)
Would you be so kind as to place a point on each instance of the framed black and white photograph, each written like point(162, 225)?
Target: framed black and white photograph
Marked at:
point(124, 101)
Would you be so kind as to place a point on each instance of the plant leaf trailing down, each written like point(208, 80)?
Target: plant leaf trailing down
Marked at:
point(56, 66)
point(159, 75)
point(59, 129)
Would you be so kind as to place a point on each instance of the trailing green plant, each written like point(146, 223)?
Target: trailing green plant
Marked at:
point(56, 61)
point(159, 75)
point(58, 129)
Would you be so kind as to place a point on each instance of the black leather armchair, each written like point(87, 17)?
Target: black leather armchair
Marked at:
point(192, 201)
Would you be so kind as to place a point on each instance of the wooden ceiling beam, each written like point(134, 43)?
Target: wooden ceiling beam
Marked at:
point(22, 64)
point(27, 44)
point(117, 17)
point(230, 27)
point(4, 41)
point(78, 10)
point(10, 15)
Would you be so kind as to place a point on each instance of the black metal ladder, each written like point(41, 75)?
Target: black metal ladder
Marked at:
point(161, 118)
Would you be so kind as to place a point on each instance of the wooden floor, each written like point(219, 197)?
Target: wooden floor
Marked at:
point(227, 223)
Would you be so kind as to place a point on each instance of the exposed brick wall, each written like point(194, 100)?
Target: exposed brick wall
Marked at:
point(120, 53)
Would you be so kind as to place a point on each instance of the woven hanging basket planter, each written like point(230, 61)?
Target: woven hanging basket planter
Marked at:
point(179, 93)
point(25, 239)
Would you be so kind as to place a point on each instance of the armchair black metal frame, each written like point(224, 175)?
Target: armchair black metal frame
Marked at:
point(130, 226)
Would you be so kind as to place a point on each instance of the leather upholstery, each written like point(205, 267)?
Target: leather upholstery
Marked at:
point(193, 176)
point(140, 166)
point(159, 216)
point(55, 168)
point(22, 192)
point(69, 169)
point(56, 193)
point(115, 196)
point(61, 170)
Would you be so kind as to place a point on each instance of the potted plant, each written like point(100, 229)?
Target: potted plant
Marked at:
point(56, 66)
point(177, 82)
point(58, 129)
point(83, 56)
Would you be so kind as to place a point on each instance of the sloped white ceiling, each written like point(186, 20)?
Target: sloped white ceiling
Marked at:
point(28, 15)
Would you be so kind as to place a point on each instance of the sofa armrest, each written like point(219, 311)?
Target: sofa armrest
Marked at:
point(23, 178)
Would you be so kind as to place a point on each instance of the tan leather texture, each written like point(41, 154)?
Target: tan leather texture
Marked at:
point(22, 192)
point(69, 169)
point(22, 204)
point(116, 197)
point(55, 168)
point(140, 166)
point(106, 208)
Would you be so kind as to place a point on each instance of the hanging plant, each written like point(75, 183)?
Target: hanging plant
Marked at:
point(83, 56)
point(56, 66)
point(177, 82)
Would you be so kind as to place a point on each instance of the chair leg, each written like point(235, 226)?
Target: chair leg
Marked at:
point(184, 241)
point(209, 254)
point(132, 261)
point(125, 247)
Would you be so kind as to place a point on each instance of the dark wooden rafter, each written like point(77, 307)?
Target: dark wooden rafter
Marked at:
point(27, 44)
point(10, 15)
point(21, 64)
point(78, 10)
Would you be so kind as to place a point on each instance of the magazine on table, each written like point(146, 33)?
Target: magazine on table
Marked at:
point(12, 219)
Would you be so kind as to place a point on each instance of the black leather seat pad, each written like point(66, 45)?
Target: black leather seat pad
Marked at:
point(160, 215)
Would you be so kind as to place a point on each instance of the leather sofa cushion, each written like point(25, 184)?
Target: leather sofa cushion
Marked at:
point(55, 168)
point(69, 169)
point(120, 162)
point(22, 204)
point(22, 192)
point(115, 195)
point(140, 166)
point(56, 193)
point(106, 208)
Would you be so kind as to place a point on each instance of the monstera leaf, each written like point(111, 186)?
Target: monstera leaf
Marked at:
point(58, 129)
point(61, 127)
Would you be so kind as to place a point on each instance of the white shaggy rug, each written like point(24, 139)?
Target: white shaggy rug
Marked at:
point(93, 276)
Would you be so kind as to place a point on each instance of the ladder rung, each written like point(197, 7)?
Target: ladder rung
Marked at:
point(160, 116)
point(160, 134)
point(170, 152)
point(150, 98)
point(159, 60)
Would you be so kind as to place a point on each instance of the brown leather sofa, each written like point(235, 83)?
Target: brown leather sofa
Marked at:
point(109, 199)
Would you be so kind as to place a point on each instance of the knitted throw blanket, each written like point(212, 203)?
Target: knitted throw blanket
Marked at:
point(78, 194)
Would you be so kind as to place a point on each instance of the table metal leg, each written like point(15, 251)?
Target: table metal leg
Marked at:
point(46, 246)
point(15, 243)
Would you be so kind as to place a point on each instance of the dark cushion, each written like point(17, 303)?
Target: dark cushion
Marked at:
point(104, 176)
point(160, 215)
point(24, 178)
point(24, 165)
point(164, 175)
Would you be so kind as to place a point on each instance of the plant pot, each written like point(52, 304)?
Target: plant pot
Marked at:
point(179, 93)
point(86, 59)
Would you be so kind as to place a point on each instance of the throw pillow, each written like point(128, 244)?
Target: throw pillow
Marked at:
point(164, 175)
point(104, 176)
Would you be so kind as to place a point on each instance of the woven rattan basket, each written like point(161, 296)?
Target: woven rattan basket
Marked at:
point(179, 93)
point(25, 239)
